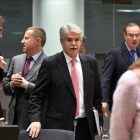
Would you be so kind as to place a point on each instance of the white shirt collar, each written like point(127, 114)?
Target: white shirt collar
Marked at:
point(128, 47)
point(35, 57)
point(68, 58)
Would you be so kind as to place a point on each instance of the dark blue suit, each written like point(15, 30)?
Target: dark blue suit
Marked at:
point(116, 63)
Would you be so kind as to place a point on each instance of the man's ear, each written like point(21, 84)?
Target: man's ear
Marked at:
point(61, 41)
point(38, 40)
point(124, 35)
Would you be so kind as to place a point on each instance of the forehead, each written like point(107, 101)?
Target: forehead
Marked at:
point(28, 33)
point(133, 29)
point(72, 35)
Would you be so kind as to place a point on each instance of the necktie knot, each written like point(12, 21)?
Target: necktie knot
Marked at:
point(73, 61)
point(133, 52)
point(30, 59)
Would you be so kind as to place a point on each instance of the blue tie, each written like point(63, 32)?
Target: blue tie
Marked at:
point(133, 54)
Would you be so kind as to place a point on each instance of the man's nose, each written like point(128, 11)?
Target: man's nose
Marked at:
point(22, 41)
point(73, 42)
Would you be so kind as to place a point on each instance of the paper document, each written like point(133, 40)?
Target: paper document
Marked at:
point(96, 115)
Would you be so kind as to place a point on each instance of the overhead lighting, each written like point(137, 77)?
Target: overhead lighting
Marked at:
point(128, 11)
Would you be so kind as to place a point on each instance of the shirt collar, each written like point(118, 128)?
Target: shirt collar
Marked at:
point(128, 47)
point(68, 59)
point(35, 57)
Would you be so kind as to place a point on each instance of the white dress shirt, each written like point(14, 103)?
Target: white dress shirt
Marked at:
point(82, 113)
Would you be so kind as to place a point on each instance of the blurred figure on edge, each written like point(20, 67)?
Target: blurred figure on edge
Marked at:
point(2, 64)
point(126, 105)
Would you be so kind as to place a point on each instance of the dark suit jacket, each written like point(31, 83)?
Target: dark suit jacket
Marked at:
point(54, 83)
point(20, 95)
point(1, 113)
point(1, 77)
point(116, 63)
point(1, 72)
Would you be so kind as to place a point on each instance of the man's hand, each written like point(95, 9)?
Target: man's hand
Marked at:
point(104, 107)
point(34, 129)
point(2, 122)
point(2, 62)
point(23, 84)
point(16, 79)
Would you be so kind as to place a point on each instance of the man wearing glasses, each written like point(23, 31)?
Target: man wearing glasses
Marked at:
point(117, 60)
point(2, 63)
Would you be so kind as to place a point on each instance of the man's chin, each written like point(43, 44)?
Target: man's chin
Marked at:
point(24, 51)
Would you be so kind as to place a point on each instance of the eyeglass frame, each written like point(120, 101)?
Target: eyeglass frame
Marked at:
point(133, 35)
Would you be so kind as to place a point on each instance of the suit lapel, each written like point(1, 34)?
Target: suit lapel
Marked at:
point(35, 67)
point(21, 63)
point(63, 68)
point(125, 55)
point(138, 52)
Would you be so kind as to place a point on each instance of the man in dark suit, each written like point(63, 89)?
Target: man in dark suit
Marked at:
point(19, 81)
point(2, 64)
point(117, 60)
point(55, 82)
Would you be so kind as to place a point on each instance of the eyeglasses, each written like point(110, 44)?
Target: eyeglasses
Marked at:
point(133, 35)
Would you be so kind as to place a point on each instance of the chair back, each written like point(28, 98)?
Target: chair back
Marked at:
point(48, 134)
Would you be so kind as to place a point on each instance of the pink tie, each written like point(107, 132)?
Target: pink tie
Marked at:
point(27, 66)
point(75, 81)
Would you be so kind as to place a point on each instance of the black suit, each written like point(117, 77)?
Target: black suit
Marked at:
point(19, 100)
point(1, 77)
point(116, 63)
point(54, 83)
point(1, 72)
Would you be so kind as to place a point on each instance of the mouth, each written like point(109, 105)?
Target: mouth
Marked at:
point(73, 47)
point(134, 43)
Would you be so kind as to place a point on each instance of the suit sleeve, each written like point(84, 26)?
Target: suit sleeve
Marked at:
point(40, 91)
point(107, 73)
point(1, 72)
point(29, 89)
point(6, 86)
point(1, 113)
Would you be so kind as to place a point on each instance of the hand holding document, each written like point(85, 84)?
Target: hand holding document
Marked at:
point(96, 115)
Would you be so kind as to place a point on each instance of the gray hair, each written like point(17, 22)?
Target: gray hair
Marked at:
point(2, 21)
point(70, 28)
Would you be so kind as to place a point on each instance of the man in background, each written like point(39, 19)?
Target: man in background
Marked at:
point(22, 75)
point(83, 47)
point(71, 84)
point(117, 60)
point(2, 64)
